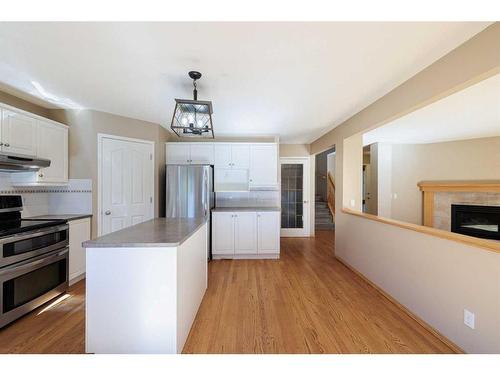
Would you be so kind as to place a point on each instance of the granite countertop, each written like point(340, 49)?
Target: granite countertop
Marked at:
point(247, 209)
point(159, 232)
point(67, 217)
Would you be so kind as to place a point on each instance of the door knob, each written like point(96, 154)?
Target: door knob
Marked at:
point(108, 212)
point(305, 201)
point(6, 145)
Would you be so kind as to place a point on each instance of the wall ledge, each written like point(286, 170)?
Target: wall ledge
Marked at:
point(489, 245)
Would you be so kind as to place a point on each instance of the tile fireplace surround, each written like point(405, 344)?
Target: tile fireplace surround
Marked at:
point(438, 196)
point(444, 200)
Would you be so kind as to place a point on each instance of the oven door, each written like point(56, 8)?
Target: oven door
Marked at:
point(27, 245)
point(26, 285)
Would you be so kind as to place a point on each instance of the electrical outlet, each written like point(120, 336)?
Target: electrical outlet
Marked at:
point(469, 319)
point(395, 195)
point(353, 202)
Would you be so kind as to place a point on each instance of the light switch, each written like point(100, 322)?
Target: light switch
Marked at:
point(469, 319)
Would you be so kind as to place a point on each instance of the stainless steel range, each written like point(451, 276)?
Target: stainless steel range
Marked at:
point(33, 260)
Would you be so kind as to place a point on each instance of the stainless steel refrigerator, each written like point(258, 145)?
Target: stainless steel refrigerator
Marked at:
point(189, 192)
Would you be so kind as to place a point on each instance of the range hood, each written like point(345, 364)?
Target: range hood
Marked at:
point(21, 163)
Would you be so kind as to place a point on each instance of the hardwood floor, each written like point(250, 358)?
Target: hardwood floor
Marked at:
point(306, 302)
point(57, 327)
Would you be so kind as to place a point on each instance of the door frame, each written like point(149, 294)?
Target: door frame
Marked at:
point(306, 194)
point(100, 138)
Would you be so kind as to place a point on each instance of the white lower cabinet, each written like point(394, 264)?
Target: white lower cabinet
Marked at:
point(245, 234)
point(223, 233)
point(79, 231)
point(268, 232)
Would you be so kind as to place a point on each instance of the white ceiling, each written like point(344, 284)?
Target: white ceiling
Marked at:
point(295, 80)
point(470, 113)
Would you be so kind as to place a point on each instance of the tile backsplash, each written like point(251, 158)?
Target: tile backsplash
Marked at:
point(248, 199)
point(75, 197)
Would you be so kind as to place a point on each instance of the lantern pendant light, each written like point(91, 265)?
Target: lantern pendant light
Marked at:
point(193, 118)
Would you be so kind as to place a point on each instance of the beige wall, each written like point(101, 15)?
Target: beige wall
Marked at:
point(84, 127)
point(433, 277)
point(25, 105)
point(473, 159)
point(294, 150)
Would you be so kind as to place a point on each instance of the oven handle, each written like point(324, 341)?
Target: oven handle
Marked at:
point(38, 233)
point(33, 264)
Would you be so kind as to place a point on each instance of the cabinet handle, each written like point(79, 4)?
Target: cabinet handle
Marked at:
point(40, 175)
point(1, 143)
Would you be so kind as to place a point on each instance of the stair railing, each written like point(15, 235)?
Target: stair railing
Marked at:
point(330, 194)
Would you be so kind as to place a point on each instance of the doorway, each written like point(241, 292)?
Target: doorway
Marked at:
point(324, 197)
point(294, 197)
point(125, 182)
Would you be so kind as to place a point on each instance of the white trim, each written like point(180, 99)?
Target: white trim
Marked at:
point(305, 161)
point(245, 256)
point(100, 138)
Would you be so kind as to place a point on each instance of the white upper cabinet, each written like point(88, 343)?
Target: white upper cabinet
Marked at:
point(234, 155)
point(18, 134)
point(34, 136)
point(263, 166)
point(222, 156)
point(240, 155)
point(177, 153)
point(238, 166)
point(202, 153)
point(190, 153)
point(52, 144)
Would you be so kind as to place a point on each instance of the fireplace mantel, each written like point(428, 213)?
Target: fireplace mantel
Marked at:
point(430, 187)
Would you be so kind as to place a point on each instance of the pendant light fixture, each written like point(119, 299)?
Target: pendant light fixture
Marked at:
point(193, 118)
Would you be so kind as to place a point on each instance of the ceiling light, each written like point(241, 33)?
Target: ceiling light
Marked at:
point(193, 118)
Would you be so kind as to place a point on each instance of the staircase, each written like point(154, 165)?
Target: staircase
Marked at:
point(323, 217)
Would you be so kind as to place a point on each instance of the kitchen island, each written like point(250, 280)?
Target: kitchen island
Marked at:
point(144, 286)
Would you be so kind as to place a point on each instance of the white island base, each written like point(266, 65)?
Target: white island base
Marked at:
point(144, 299)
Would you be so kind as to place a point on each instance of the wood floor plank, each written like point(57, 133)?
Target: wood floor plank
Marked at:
point(305, 302)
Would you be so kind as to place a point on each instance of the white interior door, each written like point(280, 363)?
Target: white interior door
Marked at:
point(127, 183)
point(295, 207)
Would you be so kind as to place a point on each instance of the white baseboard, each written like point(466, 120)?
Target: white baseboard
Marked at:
point(76, 278)
point(245, 256)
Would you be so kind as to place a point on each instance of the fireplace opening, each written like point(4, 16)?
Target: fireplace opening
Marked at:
point(476, 220)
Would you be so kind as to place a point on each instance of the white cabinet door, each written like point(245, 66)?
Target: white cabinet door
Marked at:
point(52, 144)
point(222, 156)
point(268, 229)
point(202, 153)
point(79, 231)
point(245, 233)
point(263, 166)
point(177, 153)
point(18, 133)
point(240, 156)
point(223, 233)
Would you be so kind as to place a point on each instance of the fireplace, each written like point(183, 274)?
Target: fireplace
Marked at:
point(476, 220)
